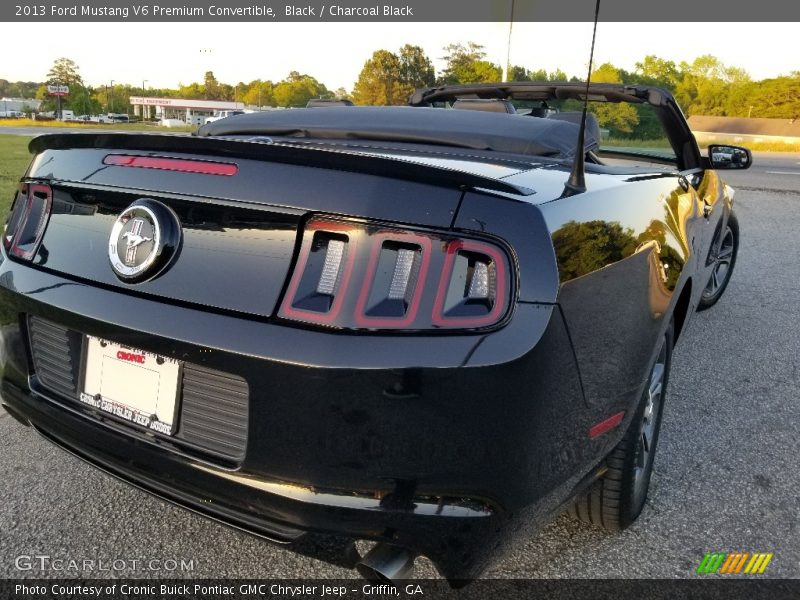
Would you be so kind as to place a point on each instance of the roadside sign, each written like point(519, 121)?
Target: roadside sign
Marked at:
point(58, 90)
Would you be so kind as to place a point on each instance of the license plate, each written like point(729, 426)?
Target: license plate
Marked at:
point(134, 385)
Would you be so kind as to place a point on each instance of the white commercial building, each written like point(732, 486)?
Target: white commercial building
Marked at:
point(19, 104)
point(191, 112)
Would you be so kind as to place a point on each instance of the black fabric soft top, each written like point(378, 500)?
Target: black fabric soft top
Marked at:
point(517, 134)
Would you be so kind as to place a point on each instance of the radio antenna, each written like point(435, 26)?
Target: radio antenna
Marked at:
point(576, 184)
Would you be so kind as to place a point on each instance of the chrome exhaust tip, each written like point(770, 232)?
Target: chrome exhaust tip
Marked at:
point(386, 563)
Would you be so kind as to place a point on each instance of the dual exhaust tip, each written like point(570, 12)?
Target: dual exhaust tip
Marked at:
point(386, 563)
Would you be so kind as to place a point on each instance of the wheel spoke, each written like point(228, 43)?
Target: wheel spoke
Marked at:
point(709, 291)
point(656, 378)
point(725, 253)
point(645, 446)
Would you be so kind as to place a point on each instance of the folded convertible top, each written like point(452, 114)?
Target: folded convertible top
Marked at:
point(517, 134)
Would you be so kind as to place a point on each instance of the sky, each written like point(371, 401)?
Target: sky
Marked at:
point(166, 54)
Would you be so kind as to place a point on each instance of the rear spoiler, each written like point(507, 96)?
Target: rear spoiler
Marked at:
point(266, 149)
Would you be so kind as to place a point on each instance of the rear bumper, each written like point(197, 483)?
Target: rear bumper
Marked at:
point(348, 435)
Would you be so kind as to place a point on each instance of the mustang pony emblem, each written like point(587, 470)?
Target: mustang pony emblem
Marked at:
point(143, 240)
point(134, 240)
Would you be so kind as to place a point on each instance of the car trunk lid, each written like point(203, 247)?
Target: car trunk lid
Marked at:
point(239, 230)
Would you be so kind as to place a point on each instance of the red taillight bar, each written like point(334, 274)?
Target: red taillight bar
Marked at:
point(45, 194)
point(18, 215)
point(183, 165)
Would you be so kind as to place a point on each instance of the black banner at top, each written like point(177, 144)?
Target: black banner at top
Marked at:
point(675, 11)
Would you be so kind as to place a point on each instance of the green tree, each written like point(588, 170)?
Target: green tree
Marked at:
point(388, 78)
point(64, 72)
point(416, 69)
point(519, 73)
point(706, 84)
point(18, 89)
point(342, 94)
point(466, 64)
point(297, 90)
point(259, 93)
point(656, 71)
point(777, 98)
point(380, 81)
point(211, 87)
point(193, 91)
point(620, 118)
point(485, 72)
point(84, 102)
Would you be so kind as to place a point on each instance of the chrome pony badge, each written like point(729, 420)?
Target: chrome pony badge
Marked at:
point(144, 238)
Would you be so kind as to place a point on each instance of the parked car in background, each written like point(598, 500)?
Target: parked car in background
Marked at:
point(429, 327)
point(223, 114)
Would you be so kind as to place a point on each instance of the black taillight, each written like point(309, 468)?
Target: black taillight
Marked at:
point(28, 220)
point(367, 276)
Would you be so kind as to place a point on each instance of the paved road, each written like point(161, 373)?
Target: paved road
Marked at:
point(778, 171)
point(726, 475)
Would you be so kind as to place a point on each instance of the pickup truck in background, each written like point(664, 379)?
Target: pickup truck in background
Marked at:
point(221, 114)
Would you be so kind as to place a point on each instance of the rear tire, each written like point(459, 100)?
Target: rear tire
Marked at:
point(722, 254)
point(617, 498)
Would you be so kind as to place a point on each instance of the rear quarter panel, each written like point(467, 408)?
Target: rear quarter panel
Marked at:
point(624, 254)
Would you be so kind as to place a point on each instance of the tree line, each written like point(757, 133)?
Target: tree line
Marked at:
point(704, 86)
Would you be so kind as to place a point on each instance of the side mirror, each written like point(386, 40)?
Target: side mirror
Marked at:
point(729, 157)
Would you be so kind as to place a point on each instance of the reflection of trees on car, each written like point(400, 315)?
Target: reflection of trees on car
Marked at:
point(582, 248)
point(585, 247)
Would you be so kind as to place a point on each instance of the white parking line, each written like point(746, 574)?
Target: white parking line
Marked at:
point(783, 172)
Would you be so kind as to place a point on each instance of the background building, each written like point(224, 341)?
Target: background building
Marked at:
point(19, 105)
point(191, 112)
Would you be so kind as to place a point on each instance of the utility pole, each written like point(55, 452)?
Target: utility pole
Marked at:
point(507, 67)
point(143, 104)
point(111, 97)
point(60, 113)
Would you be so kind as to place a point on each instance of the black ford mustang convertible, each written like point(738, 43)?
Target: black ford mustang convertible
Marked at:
point(430, 327)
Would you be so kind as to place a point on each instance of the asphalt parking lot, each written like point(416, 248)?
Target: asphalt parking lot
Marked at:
point(726, 478)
